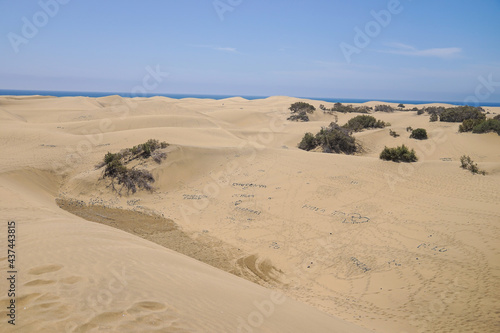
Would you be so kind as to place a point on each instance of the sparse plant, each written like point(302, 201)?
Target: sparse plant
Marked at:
point(419, 134)
point(308, 142)
point(490, 125)
point(399, 154)
point(461, 113)
point(339, 107)
point(302, 106)
point(300, 116)
point(433, 117)
point(132, 179)
point(336, 139)
point(468, 164)
point(401, 106)
point(480, 126)
point(359, 123)
point(300, 110)
point(384, 108)
point(158, 156)
point(433, 109)
point(409, 129)
point(393, 133)
point(332, 139)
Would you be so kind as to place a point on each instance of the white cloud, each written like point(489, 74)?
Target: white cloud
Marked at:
point(217, 48)
point(226, 49)
point(403, 49)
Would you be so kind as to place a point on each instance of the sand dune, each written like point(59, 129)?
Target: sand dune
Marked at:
point(355, 243)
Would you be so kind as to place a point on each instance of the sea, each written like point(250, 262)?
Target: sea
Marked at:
point(219, 97)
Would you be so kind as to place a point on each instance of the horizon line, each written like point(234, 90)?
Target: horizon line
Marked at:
point(226, 96)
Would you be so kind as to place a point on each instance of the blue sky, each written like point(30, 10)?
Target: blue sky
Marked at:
point(425, 50)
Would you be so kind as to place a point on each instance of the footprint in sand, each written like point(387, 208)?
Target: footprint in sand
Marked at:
point(38, 282)
point(141, 316)
point(44, 269)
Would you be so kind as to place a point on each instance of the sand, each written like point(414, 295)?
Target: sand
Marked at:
point(244, 232)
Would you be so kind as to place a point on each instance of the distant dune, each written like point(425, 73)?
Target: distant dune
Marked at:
point(244, 232)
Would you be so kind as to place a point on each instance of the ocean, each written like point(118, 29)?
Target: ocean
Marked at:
point(217, 97)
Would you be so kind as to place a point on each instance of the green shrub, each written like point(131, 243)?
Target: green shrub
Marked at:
point(433, 117)
point(468, 164)
point(490, 125)
point(114, 168)
point(469, 124)
point(302, 107)
point(143, 150)
point(300, 116)
point(335, 139)
point(433, 109)
point(132, 179)
point(398, 154)
point(419, 134)
point(339, 107)
point(393, 134)
point(359, 123)
point(480, 126)
point(401, 106)
point(332, 139)
point(308, 142)
point(110, 157)
point(384, 108)
point(461, 113)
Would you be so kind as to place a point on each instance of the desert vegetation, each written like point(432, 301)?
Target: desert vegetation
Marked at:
point(339, 107)
point(359, 123)
point(481, 125)
point(384, 108)
point(331, 139)
point(461, 113)
point(393, 133)
point(468, 164)
point(398, 154)
point(132, 179)
point(453, 114)
point(419, 134)
point(338, 139)
point(300, 110)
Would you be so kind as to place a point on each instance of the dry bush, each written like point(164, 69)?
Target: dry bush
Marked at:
point(132, 179)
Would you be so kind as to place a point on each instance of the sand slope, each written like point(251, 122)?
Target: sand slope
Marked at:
point(390, 247)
